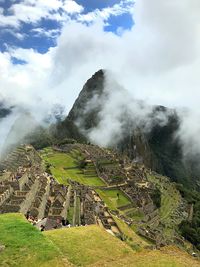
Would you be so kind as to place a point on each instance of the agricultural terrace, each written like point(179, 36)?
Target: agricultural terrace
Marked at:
point(64, 166)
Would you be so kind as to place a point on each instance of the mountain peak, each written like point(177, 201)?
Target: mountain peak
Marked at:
point(94, 87)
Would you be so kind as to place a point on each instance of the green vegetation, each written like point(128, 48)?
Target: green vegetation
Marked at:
point(70, 213)
point(169, 204)
point(191, 229)
point(170, 196)
point(170, 201)
point(167, 151)
point(24, 244)
point(156, 197)
point(79, 246)
point(107, 162)
point(77, 212)
point(130, 237)
point(92, 246)
point(65, 166)
point(113, 198)
point(89, 245)
point(135, 214)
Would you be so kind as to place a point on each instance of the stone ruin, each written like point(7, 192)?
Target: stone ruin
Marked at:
point(90, 209)
point(26, 188)
point(133, 183)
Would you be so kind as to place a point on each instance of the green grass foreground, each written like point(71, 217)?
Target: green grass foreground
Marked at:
point(64, 166)
point(78, 246)
point(92, 246)
point(25, 245)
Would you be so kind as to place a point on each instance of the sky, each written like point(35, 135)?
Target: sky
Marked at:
point(37, 24)
point(36, 47)
point(48, 50)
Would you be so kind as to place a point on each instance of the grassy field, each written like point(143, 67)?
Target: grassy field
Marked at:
point(111, 199)
point(135, 214)
point(64, 166)
point(78, 246)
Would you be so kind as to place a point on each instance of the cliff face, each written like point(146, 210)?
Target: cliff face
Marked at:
point(4, 111)
point(83, 112)
point(80, 117)
point(158, 148)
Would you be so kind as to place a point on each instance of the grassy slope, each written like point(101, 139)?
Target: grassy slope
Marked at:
point(166, 258)
point(81, 246)
point(131, 238)
point(88, 245)
point(61, 161)
point(25, 245)
point(92, 246)
point(111, 199)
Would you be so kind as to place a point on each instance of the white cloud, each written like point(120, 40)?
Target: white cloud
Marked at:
point(72, 7)
point(13, 32)
point(104, 14)
point(32, 11)
point(157, 60)
point(9, 21)
point(54, 33)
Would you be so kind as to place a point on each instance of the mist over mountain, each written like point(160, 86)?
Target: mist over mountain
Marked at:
point(4, 111)
point(20, 125)
point(107, 115)
point(155, 60)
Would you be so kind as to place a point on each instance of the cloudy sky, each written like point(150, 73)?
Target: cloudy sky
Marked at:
point(37, 23)
point(48, 49)
point(41, 41)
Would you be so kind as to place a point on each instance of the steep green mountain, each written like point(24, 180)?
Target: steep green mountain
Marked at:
point(69, 128)
point(158, 147)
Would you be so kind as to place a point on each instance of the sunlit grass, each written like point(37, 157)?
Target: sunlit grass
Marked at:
point(114, 198)
point(65, 166)
point(24, 244)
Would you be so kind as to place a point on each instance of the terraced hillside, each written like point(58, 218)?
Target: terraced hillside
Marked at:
point(66, 165)
point(23, 245)
point(171, 203)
